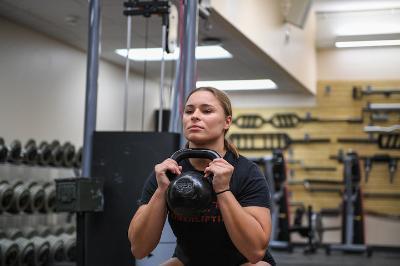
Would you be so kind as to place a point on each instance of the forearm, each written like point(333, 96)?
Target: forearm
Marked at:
point(146, 227)
point(244, 230)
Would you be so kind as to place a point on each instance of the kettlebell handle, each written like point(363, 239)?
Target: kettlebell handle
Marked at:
point(194, 153)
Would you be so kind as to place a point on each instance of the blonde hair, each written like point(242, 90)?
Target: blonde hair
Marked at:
point(226, 106)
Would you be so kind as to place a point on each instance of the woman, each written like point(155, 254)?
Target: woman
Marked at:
point(236, 229)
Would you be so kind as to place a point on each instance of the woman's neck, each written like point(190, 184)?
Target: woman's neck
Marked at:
point(200, 164)
point(218, 147)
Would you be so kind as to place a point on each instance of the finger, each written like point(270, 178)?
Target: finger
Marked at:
point(207, 171)
point(220, 161)
point(174, 168)
point(219, 165)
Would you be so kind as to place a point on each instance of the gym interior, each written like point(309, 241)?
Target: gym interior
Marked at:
point(315, 91)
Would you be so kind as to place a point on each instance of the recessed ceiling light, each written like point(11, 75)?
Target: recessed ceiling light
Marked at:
point(155, 54)
point(239, 85)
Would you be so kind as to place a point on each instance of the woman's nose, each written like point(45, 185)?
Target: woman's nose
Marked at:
point(195, 115)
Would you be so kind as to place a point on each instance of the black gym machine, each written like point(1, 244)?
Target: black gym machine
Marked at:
point(353, 230)
point(274, 168)
point(352, 225)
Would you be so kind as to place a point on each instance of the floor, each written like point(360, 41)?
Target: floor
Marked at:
point(297, 258)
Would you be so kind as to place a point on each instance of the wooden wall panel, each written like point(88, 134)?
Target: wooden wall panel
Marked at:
point(337, 103)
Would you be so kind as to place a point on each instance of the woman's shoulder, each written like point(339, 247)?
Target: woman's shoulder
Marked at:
point(245, 162)
point(244, 167)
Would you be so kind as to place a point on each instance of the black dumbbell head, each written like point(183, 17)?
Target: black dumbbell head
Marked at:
point(15, 150)
point(6, 194)
point(68, 155)
point(3, 151)
point(30, 142)
point(78, 158)
point(44, 153)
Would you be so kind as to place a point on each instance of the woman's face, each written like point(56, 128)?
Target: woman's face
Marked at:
point(204, 119)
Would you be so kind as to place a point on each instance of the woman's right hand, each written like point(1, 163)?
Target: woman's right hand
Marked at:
point(161, 169)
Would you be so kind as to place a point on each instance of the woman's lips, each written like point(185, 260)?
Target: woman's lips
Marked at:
point(195, 128)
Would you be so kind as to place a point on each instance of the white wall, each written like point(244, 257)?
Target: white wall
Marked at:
point(359, 64)
point(270, 100)
point(262, 22)
point(42, 90)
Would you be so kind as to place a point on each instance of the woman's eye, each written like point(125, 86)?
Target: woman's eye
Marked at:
point(188, 111)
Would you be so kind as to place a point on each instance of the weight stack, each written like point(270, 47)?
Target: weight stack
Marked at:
point(123, 161)
point(166, 114)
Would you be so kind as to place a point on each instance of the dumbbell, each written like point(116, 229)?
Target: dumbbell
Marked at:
point(49, 198)
point(20, 198)
point(65, 233)
point(26, 255)
point(68, 151)
point(42, 246)
point(56, 253)
point(57, 230)
point(44, 154)
point(8, 252)
point(3, 151)
point(69, 241)
point(7, 248)
point(30, 152)
point(14, 152)
point(37, 197)
point(6, 194)
point(66, 228)
point(56, 158)
point(78, 158)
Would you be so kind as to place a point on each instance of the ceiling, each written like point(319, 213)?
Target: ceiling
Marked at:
point(66, 20)
point(354, 17)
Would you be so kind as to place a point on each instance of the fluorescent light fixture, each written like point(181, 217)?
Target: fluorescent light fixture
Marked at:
point(239, 85)
point(155, 54)
point(367, 43)
point(368, 40)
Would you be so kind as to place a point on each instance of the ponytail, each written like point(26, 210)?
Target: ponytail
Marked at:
point(229, 146)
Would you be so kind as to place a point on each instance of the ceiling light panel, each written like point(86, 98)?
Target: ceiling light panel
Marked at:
point(239, 85)
point(155, 54)
point(368, 40)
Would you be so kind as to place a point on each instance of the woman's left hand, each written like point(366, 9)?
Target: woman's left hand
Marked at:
point(222, 173)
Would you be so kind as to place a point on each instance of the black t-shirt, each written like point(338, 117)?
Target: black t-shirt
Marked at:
point(203, 240)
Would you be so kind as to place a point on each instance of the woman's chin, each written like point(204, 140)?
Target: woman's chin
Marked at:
point(197, 140)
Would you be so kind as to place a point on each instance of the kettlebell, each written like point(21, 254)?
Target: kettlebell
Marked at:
point(190, 193)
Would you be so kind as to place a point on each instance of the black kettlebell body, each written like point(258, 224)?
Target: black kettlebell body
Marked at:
point(190, 193)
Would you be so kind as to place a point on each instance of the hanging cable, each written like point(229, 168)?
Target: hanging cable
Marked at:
point(146, 42)
point(163, 45)
point(146, 9)
point(127, 68)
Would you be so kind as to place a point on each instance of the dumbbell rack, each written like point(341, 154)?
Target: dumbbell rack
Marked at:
point(19, 219)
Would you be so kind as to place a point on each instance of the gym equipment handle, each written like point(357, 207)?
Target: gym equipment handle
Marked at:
point(194, 153)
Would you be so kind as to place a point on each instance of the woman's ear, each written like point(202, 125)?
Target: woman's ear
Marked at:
point(228, 122)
